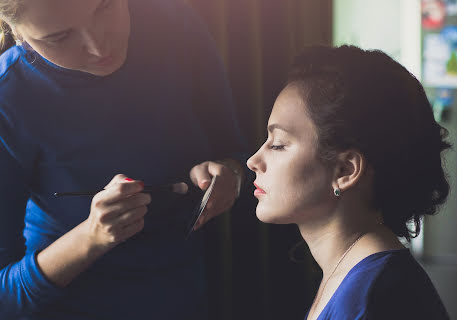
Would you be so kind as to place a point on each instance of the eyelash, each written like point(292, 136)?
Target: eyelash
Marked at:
point(279, 147)
point(60, 39)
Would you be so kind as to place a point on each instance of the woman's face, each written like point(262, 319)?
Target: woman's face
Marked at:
point(85, 35)
point(293, 186)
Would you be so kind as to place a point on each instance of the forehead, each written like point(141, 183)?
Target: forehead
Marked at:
point(290, 111)
point(41, 17)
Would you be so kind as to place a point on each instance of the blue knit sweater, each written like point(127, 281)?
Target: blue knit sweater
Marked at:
point(385, 285)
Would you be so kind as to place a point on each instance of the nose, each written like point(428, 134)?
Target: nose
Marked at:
point(95, 43)
point(255, 162)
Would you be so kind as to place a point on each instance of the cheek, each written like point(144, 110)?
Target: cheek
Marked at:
point(119, 24)
point(300, 191)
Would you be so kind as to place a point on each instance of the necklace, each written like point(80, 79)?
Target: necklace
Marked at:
point(317, 298)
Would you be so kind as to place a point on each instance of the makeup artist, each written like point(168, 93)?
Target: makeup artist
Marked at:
point(108, 94)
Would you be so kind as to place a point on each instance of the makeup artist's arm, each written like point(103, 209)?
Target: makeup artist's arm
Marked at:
point(227, 189)
point(116, 214)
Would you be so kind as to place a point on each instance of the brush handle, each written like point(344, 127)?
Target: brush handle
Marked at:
point(146, 189)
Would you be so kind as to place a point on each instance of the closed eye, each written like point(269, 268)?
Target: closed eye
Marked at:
point(60, 38)
point(277, 147)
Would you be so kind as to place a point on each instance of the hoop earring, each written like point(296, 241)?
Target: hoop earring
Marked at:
point(337, 192)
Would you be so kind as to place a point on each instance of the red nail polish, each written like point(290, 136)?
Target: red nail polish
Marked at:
point(128, 179)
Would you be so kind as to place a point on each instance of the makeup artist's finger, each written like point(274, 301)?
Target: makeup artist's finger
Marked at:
point(131, 229)
point(218, 169)
point(221, 200)
point(130, 216)
point(116, 179)
point(211, 211)
point(224, 194)
point(116, 193)
point(114, 210)
point(200, 175)
point(121, 178)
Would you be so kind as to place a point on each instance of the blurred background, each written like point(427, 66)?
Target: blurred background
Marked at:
point(251, 272)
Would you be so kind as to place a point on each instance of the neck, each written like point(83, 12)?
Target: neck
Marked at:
point(329, 240)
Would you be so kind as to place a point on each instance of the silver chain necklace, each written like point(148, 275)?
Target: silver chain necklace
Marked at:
point(317, 298)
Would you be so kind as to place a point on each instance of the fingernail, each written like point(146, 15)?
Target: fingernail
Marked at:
point(204, 182)
point(141, 183)
point(128, 179)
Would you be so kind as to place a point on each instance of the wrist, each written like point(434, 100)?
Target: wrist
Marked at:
point(92, 249)
point(68, 256)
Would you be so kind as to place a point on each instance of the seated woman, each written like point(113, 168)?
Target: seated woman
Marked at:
point(353, 157)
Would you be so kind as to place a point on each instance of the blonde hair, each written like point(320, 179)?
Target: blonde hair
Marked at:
point(8, 15)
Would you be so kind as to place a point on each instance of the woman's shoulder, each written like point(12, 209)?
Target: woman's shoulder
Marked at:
point(352, 296)
point(364, 276)
point(11, 79)
point(9, 59)
point(387, 285)
point(402, 289)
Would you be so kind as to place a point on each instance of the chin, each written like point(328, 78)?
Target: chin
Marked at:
point(106, 71)
point(270, 216)
point(280, 213)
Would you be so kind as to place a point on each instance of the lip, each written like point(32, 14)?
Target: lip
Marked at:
point(258, 190)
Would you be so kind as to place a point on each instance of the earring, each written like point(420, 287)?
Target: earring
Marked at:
point(337, 192)
point(18, 42)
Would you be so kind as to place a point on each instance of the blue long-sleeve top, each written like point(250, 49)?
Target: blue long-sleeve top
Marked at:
point(385, 285)
point(166, 109)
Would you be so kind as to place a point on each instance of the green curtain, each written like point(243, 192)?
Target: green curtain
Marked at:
point(250, 273)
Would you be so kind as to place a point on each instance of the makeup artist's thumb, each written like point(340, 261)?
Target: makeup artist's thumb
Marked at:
point(201, 177)
point(204, 184)
point(204, 181)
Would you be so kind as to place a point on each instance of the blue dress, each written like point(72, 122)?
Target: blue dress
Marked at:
point(165, 110)
point(385, 285)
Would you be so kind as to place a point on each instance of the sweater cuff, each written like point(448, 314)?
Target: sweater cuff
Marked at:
point(35, 282)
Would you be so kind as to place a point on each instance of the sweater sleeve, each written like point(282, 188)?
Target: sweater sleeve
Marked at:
point(23, 288)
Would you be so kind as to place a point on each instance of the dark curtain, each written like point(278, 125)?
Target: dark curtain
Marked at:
point(250, 273)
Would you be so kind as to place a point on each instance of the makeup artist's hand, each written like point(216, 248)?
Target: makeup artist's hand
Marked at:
point(117, 212)
point(225, 191)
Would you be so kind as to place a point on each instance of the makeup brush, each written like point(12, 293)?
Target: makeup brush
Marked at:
point(180, 188)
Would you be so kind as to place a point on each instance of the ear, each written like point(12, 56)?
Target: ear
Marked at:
point(17, 34)
point(350, 167)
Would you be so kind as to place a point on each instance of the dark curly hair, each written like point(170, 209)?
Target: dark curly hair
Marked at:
point(367, 101)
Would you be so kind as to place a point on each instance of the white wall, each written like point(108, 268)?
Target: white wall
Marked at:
point(390, 25)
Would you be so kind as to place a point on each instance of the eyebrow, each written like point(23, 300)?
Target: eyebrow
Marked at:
point(274, 126)
point(59, 33)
